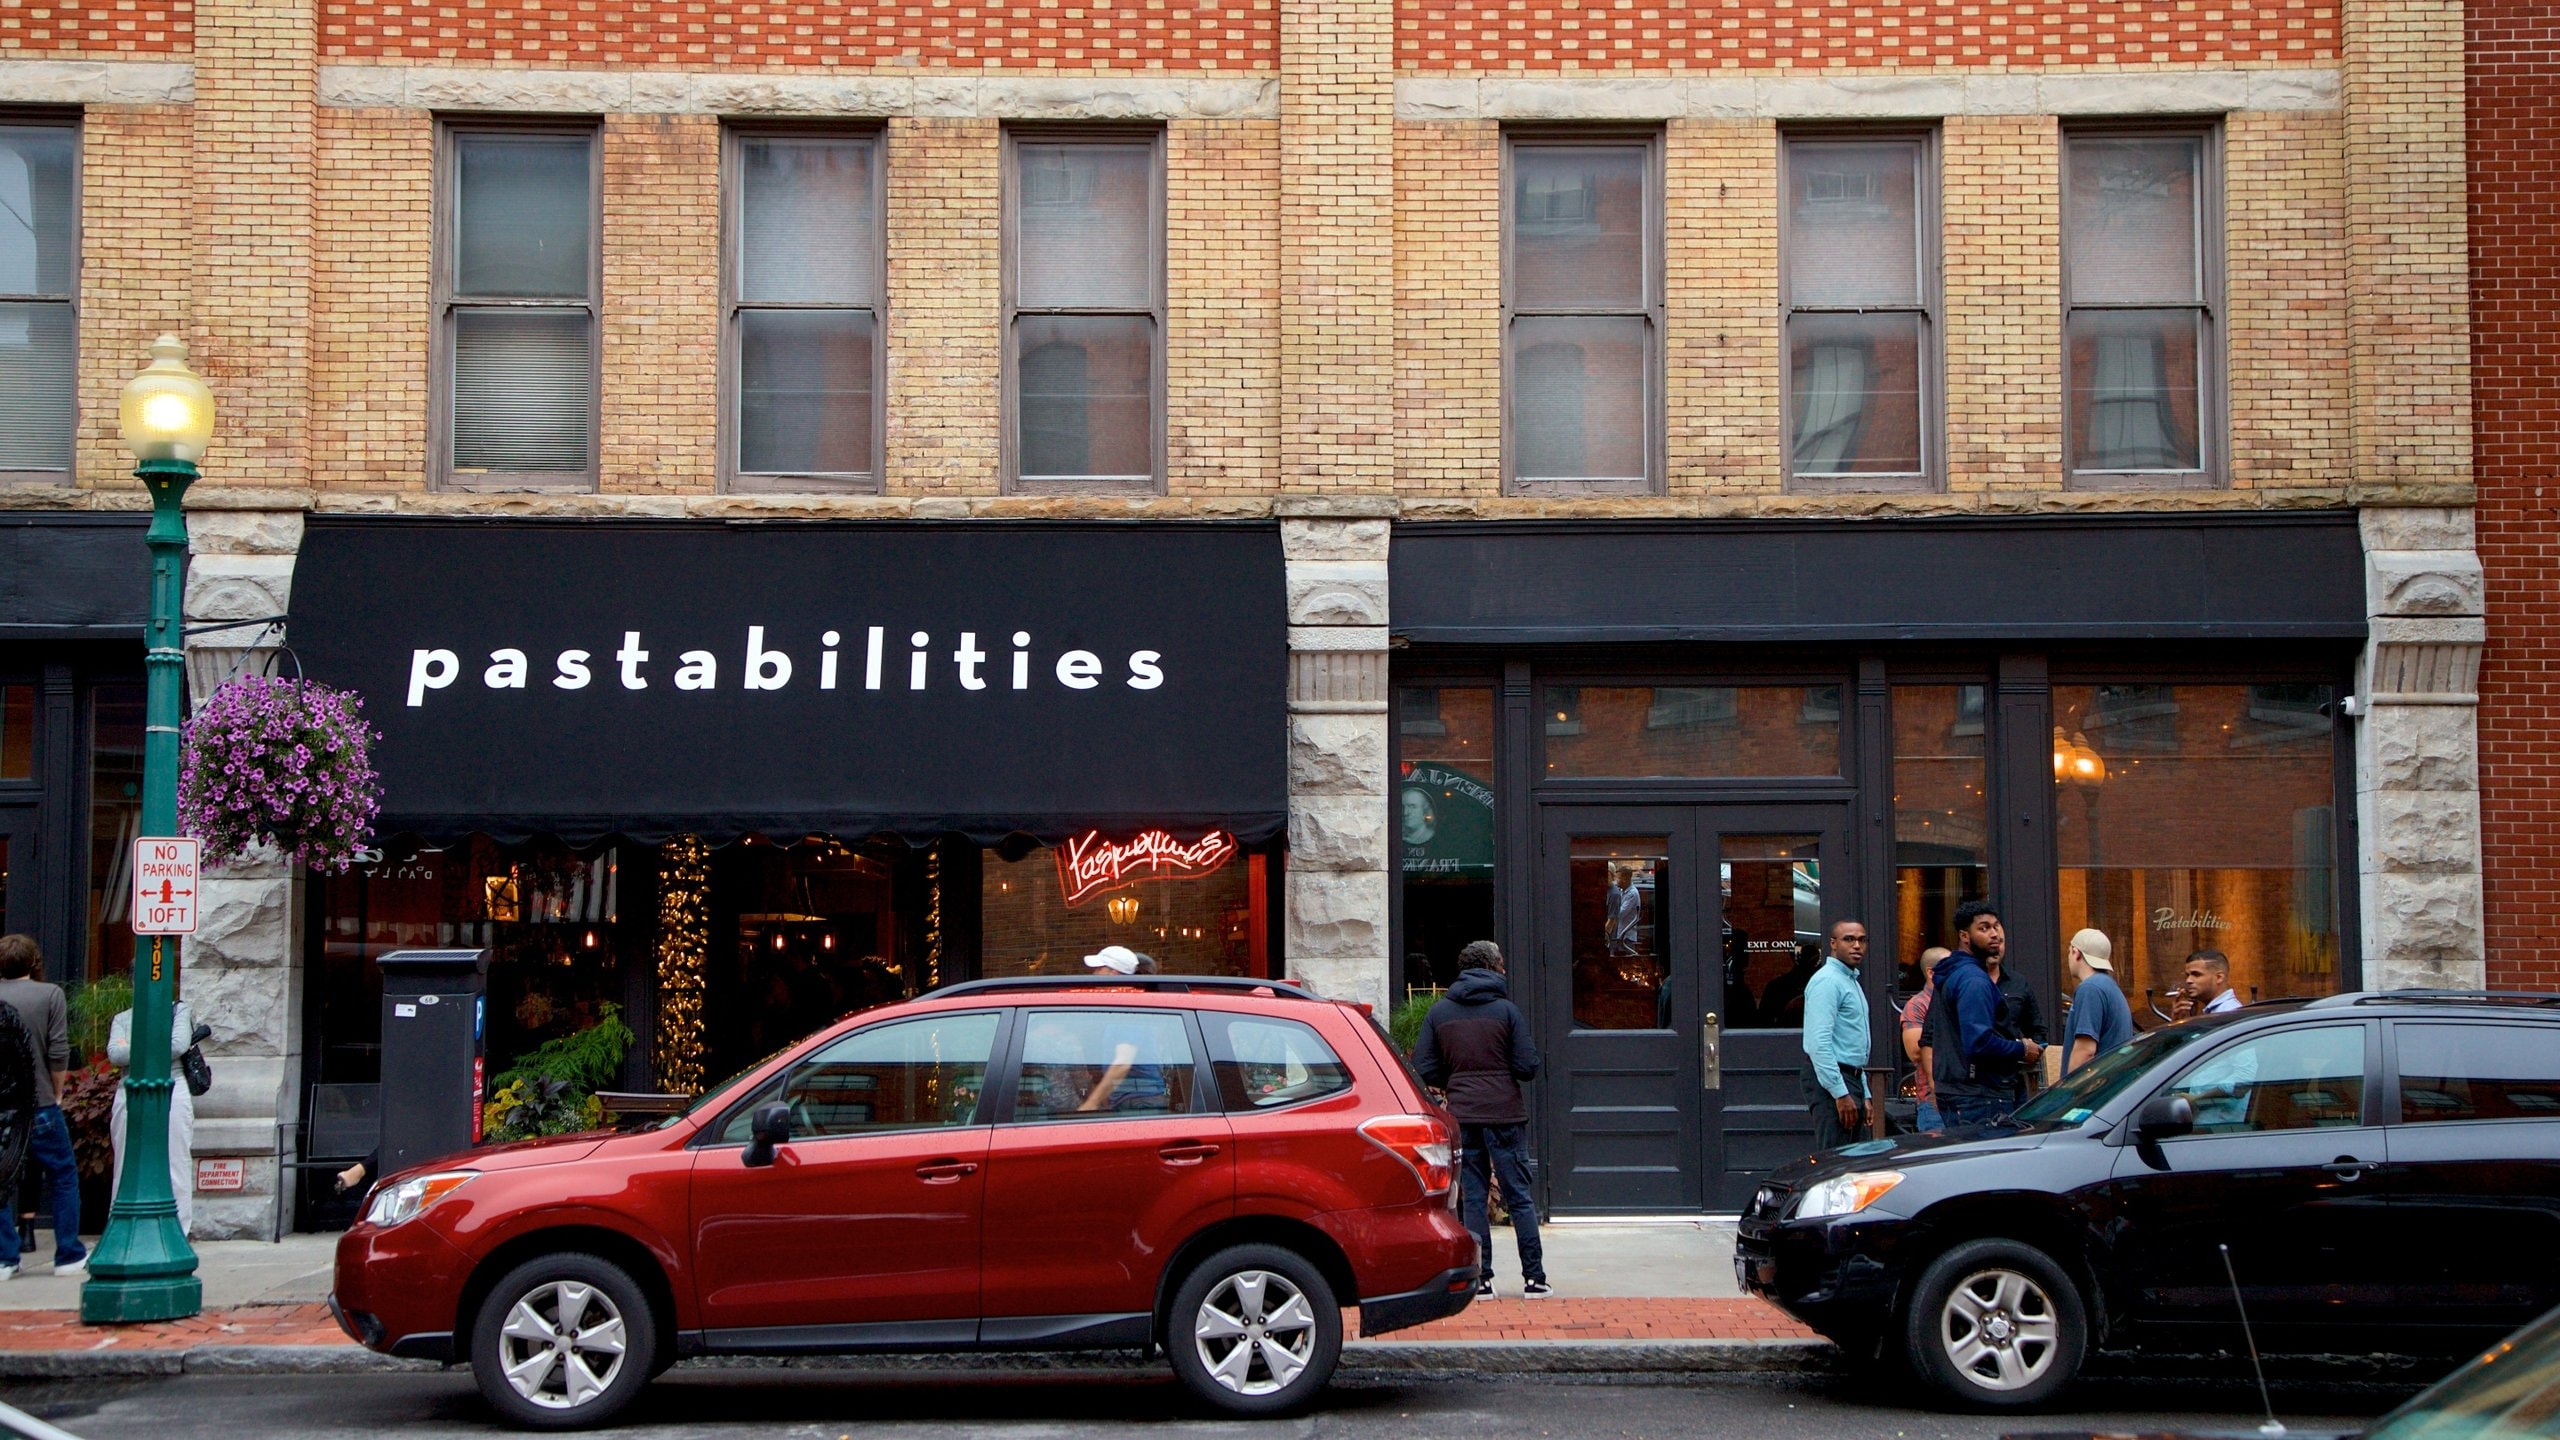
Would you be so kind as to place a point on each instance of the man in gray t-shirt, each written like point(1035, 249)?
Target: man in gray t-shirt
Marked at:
point(2100, 1018)
point(47, 1018)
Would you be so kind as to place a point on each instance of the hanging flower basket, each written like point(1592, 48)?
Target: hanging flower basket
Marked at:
point(278, 762)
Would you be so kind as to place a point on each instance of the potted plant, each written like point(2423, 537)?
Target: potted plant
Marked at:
point(286, 763)
point(550, 1090)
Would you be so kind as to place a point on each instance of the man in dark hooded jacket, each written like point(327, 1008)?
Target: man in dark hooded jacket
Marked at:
point(1475, 1045)
point(1979, 1066)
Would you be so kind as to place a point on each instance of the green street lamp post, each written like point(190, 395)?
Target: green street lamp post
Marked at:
point(143, 1268)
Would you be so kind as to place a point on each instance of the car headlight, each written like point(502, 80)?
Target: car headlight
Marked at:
point(408, 1199)
point(1846, 1194)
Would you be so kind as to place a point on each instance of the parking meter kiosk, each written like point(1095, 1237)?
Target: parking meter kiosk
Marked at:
point(433, 1069)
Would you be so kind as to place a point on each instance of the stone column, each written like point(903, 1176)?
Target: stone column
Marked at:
point(2418, 750)
point(241, 972)
point(1337, 887)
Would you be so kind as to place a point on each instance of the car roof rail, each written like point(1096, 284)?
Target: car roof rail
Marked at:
point(1162, 984)
point(2444, 996)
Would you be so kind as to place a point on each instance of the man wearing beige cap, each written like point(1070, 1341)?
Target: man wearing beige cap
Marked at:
point(2100, 1018)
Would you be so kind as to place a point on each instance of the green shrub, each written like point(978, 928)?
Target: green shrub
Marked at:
point(1404, 1023)
point(94, 1008)
point(586, 1060)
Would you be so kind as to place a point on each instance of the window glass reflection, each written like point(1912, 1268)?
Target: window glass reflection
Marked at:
point(1444, 819)
point(1618, 897)
point(1771, 887)
point(1941, 817)
point(1694, 732)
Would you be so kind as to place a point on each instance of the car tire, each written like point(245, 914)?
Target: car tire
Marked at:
point(1254, 1330)
point(588, 1318)
point(1996, 1325)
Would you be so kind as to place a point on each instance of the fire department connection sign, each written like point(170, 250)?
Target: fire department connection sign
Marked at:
point(164, 886)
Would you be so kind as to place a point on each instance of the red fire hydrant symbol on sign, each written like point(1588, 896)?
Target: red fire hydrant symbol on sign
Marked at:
point(167, 896)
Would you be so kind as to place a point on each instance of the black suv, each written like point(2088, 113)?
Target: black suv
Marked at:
point(2378, 1172)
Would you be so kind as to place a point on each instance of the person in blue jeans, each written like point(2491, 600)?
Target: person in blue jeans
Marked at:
point(1475, 1045)
point(47, 1018)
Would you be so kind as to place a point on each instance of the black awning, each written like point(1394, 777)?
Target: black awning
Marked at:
point(1126, 675)
point(2258, 575)
point(68, 575)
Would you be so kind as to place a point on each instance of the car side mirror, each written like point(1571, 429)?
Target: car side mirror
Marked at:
point(2164, 1117)
point(770, 1126)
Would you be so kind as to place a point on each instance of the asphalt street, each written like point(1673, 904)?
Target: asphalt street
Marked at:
point(806, 1405)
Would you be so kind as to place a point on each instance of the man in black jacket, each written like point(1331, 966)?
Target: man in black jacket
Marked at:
point(1475, 1045)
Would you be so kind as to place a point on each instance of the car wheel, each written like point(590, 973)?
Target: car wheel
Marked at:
point(1996, 1325)
point(563, 1342)
point(1254, 1330)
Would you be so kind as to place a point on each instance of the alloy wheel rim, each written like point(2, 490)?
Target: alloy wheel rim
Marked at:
point(1255, 1332)
point(1999, 1329)
point(562, 1345)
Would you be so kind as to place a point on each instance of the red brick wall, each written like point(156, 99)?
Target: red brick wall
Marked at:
point(2513, 85)
point(1442, 35)
point(32, 28)
point(679, 34)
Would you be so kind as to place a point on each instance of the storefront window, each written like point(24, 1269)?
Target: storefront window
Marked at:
point(1941, 817)
point(115, 819)
point(1771, 897)
point(1691, 731)
point(1444, 825)
point(1193, 900)
point(804, 933)
point(2200, 817)
point(17, 732)
point(1620, 902)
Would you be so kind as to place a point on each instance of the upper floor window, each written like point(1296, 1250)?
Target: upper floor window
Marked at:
point(1861, 265)
point(1084, 311)
point(1582, 315)
point(2141, 278)
point(516, 305)
point(804, 282)
point(39, 294)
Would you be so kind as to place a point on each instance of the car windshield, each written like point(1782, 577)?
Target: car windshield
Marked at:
point(2094, 1084)
point(722, 1093)
point(2512, 1392)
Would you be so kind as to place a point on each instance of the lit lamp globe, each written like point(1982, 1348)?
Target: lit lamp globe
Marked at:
point(167, 410)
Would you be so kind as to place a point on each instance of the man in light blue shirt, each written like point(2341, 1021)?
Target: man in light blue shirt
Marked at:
point(1836, 1040)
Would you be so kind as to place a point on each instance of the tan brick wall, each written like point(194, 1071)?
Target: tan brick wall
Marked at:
point(945, 307)
point(1720, 227)
point(137, 248)
point(2408, 272)
point(252, 156)
point(1448, 334)
point(1337, 258)
point(2000, 194)
point(2285, 287)
point(372, 298)
point(661, 292)
point(1222, 299)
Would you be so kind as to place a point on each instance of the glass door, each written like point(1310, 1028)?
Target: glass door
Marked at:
point(17, 869)
point(1775, 868)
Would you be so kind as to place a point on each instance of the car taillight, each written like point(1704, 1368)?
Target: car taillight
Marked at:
point(1421, 1142)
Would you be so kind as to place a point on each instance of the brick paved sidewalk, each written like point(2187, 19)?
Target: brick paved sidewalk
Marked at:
point(1585, 1319)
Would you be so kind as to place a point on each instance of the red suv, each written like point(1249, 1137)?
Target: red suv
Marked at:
point(1214, 1167)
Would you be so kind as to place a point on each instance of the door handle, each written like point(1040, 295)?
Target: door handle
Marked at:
point(1187, 1152)
point(1711, 1052)
point(943, 1172)
point(2346, 1168)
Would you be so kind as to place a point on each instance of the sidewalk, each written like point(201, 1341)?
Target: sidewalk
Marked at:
point(1628, 1297)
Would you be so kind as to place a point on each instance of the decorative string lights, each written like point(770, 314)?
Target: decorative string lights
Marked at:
point(933, 919)
point(684, 937)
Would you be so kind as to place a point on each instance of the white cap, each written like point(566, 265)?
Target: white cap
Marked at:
point(2093, 945)
point(1118, 958)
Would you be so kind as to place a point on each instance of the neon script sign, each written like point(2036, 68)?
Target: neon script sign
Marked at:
point(1088, 865)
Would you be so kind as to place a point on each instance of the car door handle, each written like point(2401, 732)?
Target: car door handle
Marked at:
point(2347, 1167)
point(1187, 1152)
point(943, 1172)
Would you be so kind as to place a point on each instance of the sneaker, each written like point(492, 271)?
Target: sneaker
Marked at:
point(1484, 1287)
point(8, 1272)
point(1535, 1289)
point(73, 1267)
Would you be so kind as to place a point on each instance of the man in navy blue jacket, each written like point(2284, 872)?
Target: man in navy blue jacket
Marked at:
point(1979, 1068)
point(1476, 1046)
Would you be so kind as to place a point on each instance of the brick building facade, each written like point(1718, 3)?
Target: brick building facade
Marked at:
point(1348, 199)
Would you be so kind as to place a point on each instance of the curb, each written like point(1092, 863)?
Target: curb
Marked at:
point(1359, 1357)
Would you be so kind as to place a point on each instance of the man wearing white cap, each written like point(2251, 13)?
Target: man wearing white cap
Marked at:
point(2100, 1018)
point(1130, 1081)
point(1120, 960)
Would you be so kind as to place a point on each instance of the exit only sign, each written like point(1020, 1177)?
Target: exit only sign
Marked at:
point(164, 886)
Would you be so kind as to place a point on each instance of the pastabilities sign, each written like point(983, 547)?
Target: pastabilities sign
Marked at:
point(164, 886)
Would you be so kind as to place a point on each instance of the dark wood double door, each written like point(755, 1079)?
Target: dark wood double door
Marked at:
point(1673, 946)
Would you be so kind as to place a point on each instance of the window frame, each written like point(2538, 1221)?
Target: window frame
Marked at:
point(47, 118)
point(2211, 308)
point(734, 477)
point(1929, 223)
point(776, 1077)
point(2378, 1075)
point(1009, 182)
point(2393, 1077)
point(448, 303)
point(1007, 1073)
point(1221, 1052)
point(1653, 311)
